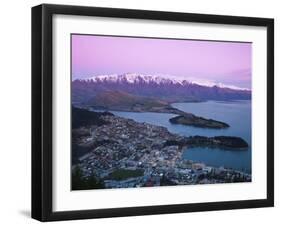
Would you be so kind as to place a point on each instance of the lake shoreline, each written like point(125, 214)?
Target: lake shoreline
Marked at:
point(121, 143)
point(182, 117)
point(231, 112)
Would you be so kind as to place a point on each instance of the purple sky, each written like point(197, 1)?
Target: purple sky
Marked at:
point(224, 62)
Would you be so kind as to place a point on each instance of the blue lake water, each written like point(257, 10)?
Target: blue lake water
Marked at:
point(237, 114)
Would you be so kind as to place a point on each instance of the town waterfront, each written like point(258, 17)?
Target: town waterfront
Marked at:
point(236, 113)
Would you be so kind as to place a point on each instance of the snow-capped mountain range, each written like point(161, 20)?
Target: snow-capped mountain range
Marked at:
point(161, 87)
point(135, 78)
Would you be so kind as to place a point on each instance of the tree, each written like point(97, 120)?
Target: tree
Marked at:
point(79, 182)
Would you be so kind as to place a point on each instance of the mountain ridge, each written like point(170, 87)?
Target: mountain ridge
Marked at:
point(155, 78)
point(153, 86)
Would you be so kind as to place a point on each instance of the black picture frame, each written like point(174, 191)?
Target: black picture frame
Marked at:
point(42, 111)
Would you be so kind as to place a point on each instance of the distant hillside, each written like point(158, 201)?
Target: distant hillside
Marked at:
point(119, 100)
point(169, 90)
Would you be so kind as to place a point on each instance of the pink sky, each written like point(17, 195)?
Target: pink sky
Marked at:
point(220, 62)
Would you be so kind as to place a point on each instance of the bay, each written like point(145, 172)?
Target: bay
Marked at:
point(235, 113)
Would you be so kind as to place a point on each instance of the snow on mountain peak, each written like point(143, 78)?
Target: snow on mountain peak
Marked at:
point(135, 78)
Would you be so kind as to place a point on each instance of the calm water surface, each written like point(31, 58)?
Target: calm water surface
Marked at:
point(237, 114)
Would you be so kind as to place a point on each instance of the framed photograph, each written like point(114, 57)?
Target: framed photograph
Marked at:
point(145, 112)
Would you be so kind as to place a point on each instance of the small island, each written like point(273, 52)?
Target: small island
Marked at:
point(192, 120)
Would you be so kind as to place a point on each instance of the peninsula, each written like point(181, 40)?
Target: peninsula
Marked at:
point(122, 101)
point(192, 120)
